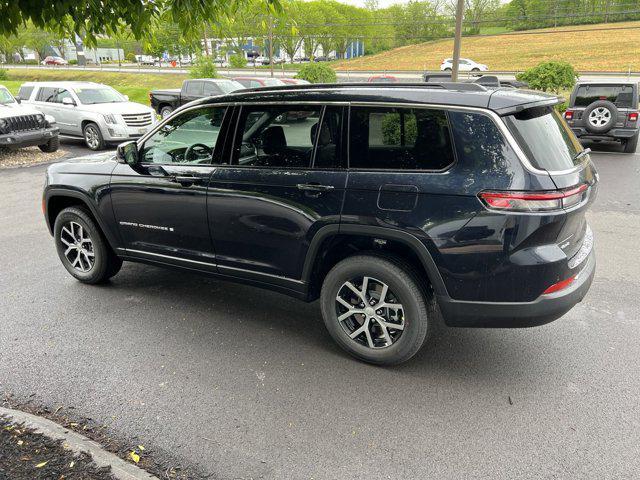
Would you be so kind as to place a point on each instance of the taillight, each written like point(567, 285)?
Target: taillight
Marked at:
point(633, 117)
point(556, 287)
point(568, 115)
point(533, 201)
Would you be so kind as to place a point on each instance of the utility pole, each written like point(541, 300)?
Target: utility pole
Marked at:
point(271, 44)
point(457, 40)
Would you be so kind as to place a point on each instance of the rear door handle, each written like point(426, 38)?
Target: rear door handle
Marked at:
point(186, 181)
point(314, 187)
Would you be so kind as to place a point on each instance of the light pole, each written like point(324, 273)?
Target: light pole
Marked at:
point(457, 40)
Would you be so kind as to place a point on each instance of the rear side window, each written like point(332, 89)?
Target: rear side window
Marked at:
point(620, 95)
point(211, 89)
point(399, 139)
point(193, 88)
point(545, 138)
point(25, 92)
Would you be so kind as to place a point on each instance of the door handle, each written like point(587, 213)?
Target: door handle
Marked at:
point(186, 180)
point(314, 187)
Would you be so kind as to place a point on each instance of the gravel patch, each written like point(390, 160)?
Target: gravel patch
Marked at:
point(27, 156)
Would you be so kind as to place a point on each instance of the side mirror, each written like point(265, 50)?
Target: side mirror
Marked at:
point(127, 152)
point(68, 101)
point(18, 99)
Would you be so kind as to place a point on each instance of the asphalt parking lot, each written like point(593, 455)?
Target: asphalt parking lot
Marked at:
point(246, 383)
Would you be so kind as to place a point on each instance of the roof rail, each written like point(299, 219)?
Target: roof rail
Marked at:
point(458, 86)
point(462, 87)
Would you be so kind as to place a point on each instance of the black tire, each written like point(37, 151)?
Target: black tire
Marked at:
point(105, 263)
point(604, 105)
point(474, 69)
point(447, 69)
point(405, 287)
point(93, 136)
point(166, 111)
point(51, 146)
point(631, 144)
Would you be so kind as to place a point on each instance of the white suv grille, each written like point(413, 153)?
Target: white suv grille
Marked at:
point(137, 119)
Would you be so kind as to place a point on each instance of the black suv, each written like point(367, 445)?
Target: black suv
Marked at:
point(384, 202)
point(605, 111)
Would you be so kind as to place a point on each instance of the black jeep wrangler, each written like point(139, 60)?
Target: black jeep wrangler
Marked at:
point(608, 111)
point(386, 203)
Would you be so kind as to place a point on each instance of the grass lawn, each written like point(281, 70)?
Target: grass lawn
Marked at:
point(136, 85)
point(604, 50)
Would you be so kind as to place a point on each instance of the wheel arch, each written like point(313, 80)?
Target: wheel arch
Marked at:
point(333, 243)
point(57, 199)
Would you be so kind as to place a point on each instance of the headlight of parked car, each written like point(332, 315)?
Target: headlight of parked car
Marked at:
point(110, 118)
point(49, 119)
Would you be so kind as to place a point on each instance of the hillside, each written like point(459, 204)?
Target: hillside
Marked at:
point(601, 50)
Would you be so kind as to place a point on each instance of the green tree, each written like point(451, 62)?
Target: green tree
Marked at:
point(550, 77)
point(317, 73)
point(203, 67)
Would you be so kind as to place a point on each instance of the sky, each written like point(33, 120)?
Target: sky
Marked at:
point(381, 3)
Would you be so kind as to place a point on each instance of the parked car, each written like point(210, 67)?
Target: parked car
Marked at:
point(294, 81)
point(465, 65)
point(23, 126)
point(258, 82)
point(53, 60)
point(95, 112)
point(166, 101)
point(381, 211)
point(606, 111)
point(382, 79)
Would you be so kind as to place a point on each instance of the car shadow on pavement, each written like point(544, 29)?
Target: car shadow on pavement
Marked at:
point(248, 316)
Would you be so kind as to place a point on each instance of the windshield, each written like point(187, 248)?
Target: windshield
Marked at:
point(93, 95)
point(545, 138)
point(5, 96)
point(230, 86)
point(619, 95)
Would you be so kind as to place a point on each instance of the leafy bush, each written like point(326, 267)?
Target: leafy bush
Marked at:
point(3, 74)
point(317, 73)
point(130, 57)
point(237, 61)
point(73, 62)
point(203, 67)
point(550, 76)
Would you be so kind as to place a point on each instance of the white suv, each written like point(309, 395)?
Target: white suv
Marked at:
point(88, 110)
point(465, 65)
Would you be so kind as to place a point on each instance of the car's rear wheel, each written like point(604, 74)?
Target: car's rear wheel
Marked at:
point(82, 248)
point(51, 146)
point(447, 69)
point(376, 308)
point(631, 144)
point(165, 111)
point(93, 136)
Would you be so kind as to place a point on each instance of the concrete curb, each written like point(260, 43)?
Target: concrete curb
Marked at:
point(78, 443)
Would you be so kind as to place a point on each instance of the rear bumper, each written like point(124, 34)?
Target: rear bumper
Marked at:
point(28, 138)
point(613, 134)
point(545, 309)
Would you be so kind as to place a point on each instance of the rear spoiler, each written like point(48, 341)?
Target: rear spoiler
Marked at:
point(510, 110)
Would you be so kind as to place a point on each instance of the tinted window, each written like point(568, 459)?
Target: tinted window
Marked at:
point(545, 138)
point(276, 136)
point(399, 139)
point(25, 92)
point(47, 94)
point(187, 138)
point(194, 88)
point(620, 95)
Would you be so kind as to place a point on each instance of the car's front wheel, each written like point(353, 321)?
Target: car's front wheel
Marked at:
point(93, 136)
point(376, 308)
point(82, 248)
point(51, 146)
point(165, 111)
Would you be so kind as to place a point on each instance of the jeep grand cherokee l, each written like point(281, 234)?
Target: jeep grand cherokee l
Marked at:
point(383, 202)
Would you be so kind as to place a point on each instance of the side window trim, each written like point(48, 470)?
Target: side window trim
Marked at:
point(444, 108)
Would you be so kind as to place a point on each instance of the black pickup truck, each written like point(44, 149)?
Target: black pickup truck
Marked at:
point(166, 101)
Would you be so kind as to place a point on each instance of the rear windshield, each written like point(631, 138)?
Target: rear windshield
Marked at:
point(619, 95)
point(546, 140)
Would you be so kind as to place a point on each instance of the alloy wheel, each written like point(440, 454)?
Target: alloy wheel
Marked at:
point(92, 138)
point(369, 312)
point(599, 116)
point(79, 247)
